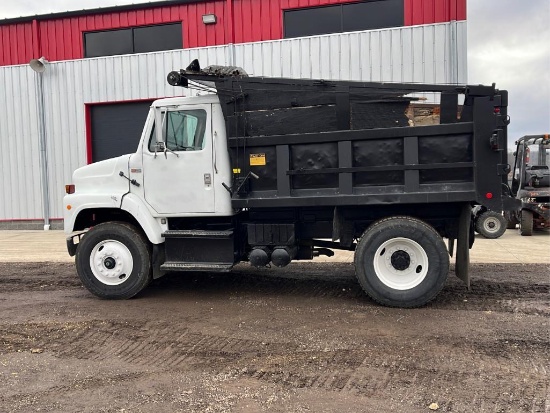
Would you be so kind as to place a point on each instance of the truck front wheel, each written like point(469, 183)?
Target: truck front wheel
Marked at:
point(401, 262)
point(113, 260)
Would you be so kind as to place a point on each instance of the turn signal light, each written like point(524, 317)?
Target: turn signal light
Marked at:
point(69, 189)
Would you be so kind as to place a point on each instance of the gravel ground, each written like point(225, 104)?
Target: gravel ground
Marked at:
point(299, 339)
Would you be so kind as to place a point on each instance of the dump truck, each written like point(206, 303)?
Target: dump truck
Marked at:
point(531, 184)
point(274, 170)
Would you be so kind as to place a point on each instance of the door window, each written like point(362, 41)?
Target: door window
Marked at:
point(184, 130)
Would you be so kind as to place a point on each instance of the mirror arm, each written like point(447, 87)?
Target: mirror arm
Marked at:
point(166, 149)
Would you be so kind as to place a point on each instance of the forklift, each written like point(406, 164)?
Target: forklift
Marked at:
point(531, 184)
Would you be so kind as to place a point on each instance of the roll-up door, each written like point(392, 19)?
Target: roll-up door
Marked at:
point(116, 128)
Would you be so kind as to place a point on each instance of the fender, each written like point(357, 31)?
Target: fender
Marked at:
point(150, 225)
point(74, 204)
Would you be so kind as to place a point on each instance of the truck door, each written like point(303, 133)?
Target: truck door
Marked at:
point(177, 174)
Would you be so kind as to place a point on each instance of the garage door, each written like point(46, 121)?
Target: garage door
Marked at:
point(116, 128)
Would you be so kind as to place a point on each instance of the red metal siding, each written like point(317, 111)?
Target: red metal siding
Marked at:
point(195, 33)
point(16, 44)
point(433, 11)
point(257, 20)
point(253, 20)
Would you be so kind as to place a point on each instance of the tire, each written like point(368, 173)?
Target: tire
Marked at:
point(526, 223)
point(511, 220)
point(416, 270)
point(113, 261)
point(491, 224)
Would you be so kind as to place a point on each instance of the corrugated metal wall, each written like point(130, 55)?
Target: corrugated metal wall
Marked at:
point(253, 21)
point(62, 38)
point(433, 11)
point(20, 195)
point(17, 43)
point(195, 33)
point(408, 54)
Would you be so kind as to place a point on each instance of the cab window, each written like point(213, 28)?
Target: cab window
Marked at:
point(184, 130)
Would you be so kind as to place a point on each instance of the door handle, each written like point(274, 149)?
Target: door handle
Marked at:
point(207, 179)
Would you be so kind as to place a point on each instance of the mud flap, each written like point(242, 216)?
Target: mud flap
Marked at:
point(462, 265)
point(157, 260)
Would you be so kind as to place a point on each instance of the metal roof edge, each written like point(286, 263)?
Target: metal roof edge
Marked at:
point(100, 10)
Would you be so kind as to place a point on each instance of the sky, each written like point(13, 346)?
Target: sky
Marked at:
point(508, 44)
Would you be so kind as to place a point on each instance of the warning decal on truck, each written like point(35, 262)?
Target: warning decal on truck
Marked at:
point(257, 159)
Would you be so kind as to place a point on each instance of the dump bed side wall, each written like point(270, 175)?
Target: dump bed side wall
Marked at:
point(299, 142)
point(422, 164)
point(451, 162)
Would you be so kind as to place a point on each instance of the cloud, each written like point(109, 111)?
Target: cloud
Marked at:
point(508, 45)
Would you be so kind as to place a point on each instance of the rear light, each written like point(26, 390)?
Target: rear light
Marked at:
point(489, 195)
point(69, 189)
point(497, 110)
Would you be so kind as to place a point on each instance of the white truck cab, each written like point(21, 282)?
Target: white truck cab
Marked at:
point(177, 170)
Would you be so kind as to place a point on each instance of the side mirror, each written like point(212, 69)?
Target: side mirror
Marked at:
point(160, 117)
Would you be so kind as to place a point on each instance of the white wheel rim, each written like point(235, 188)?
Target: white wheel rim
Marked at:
point(407, 269)
point(491, 225)
point(111, 262)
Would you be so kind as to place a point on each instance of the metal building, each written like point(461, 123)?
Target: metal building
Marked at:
point(105, 66)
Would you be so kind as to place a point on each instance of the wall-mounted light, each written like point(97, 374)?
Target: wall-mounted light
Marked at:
point(209, 18)
point(38, 65)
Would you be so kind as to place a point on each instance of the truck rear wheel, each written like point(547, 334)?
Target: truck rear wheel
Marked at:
point(401, 262)
point(113, 260)
point(526, 223)
point(491, 224)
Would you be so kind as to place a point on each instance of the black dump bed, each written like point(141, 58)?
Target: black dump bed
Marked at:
point(298, 142)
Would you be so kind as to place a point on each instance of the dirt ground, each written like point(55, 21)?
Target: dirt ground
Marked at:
point(299, 339)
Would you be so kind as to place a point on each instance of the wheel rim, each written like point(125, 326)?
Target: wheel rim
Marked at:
point(111, 262)
point(401, 263)
point(491, 225)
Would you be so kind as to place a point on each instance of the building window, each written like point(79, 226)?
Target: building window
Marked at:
point(133, 40)
point(367, 15)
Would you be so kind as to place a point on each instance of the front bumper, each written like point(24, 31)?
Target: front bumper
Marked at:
point(72, 246)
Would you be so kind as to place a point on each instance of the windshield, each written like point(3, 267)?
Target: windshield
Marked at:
point(537, 155)
point(536, 161)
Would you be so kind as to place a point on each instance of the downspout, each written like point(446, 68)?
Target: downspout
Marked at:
point(43, 158)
